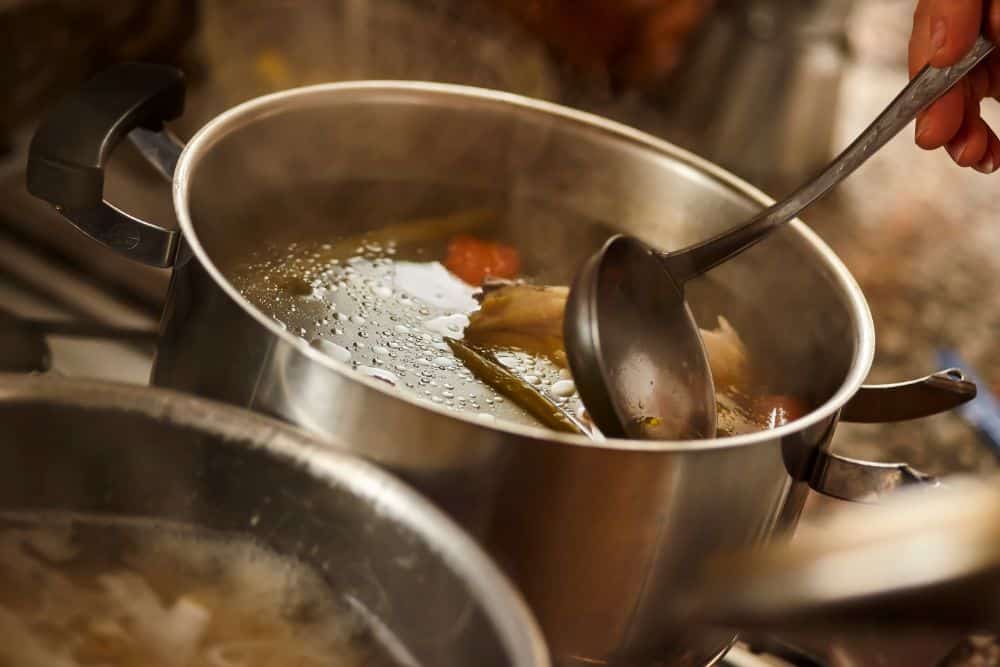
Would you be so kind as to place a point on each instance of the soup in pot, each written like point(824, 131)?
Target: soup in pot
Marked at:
point(456, 315)
point(78, 591)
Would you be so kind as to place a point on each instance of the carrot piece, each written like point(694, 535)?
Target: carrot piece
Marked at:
point(473, 260)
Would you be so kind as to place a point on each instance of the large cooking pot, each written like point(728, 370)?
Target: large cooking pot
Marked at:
point(596, 535)
point(114, 451)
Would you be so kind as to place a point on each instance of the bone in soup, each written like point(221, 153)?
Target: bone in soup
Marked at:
point(81, 591)
point(453, 314)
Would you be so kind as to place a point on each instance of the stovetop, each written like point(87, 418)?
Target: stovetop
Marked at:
point(37, 286)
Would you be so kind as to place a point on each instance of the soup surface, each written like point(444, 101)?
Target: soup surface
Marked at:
point(385, 308)
point(78, 591)
point(392, 302)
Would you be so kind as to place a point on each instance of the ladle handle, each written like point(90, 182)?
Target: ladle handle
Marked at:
point(69, 151)
point(929, 84)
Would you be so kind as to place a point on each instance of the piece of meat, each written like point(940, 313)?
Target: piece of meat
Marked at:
point(530, 317)
point(727, 356)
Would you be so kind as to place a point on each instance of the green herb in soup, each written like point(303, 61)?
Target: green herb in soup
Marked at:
point(488, 369)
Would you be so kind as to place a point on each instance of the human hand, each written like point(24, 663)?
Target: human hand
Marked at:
point(943, 32)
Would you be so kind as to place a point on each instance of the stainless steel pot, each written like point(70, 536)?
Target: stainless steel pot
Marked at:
point(119, 451)
point(596, 536)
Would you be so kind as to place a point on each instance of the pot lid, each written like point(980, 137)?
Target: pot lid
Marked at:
point(929, 557)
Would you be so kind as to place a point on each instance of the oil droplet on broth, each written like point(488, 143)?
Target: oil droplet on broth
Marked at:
point(564, 388)
point(391, 316)
point(379, 374)
point(331, 349)
point(447, 325)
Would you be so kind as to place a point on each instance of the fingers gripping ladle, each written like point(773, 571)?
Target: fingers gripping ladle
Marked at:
point(631, 341)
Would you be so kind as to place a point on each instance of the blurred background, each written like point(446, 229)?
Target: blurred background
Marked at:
point(769, 89)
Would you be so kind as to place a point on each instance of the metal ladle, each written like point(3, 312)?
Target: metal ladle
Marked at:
point(631, 341)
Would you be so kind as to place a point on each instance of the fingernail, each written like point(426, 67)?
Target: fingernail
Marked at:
point(986, 165)
point(922, 129)
point(956, 152)
point(939, 34)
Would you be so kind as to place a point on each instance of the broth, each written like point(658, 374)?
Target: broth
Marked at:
point(385, 311)
point(384, 303)
point(81, 591)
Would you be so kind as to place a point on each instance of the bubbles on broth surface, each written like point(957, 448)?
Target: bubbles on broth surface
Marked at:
point(386, 311)
point(85, 591)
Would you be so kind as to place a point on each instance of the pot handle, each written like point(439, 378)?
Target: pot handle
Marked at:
point(867, 481)
point(69, 150)
point(901, 401)
point(861, 481)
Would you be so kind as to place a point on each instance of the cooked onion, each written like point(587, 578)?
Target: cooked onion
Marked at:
point(727, 355)
point(239, 608)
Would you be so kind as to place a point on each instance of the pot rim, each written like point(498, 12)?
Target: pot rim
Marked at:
point(500, 601)
point(204, 138)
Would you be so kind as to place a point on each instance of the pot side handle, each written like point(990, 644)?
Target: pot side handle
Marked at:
point(901, 401)
point(69, 151)
point(867, 481)
point(861, 481)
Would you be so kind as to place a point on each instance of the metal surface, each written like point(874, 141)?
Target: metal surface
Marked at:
point(81, 330)
point(129, 235)
point(74, 288)
point(919, 561)
point(909, 400)
point(624, 315)
point(24, 348)
point(39, 286)
point(634, 313)
point(113, 450)
point(21, 351)
point(863, 481)
point(161, 149)
point(25, 326)
point(599, 569)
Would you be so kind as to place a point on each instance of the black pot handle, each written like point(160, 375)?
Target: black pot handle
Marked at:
point(69, 150)
point(902, 401)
